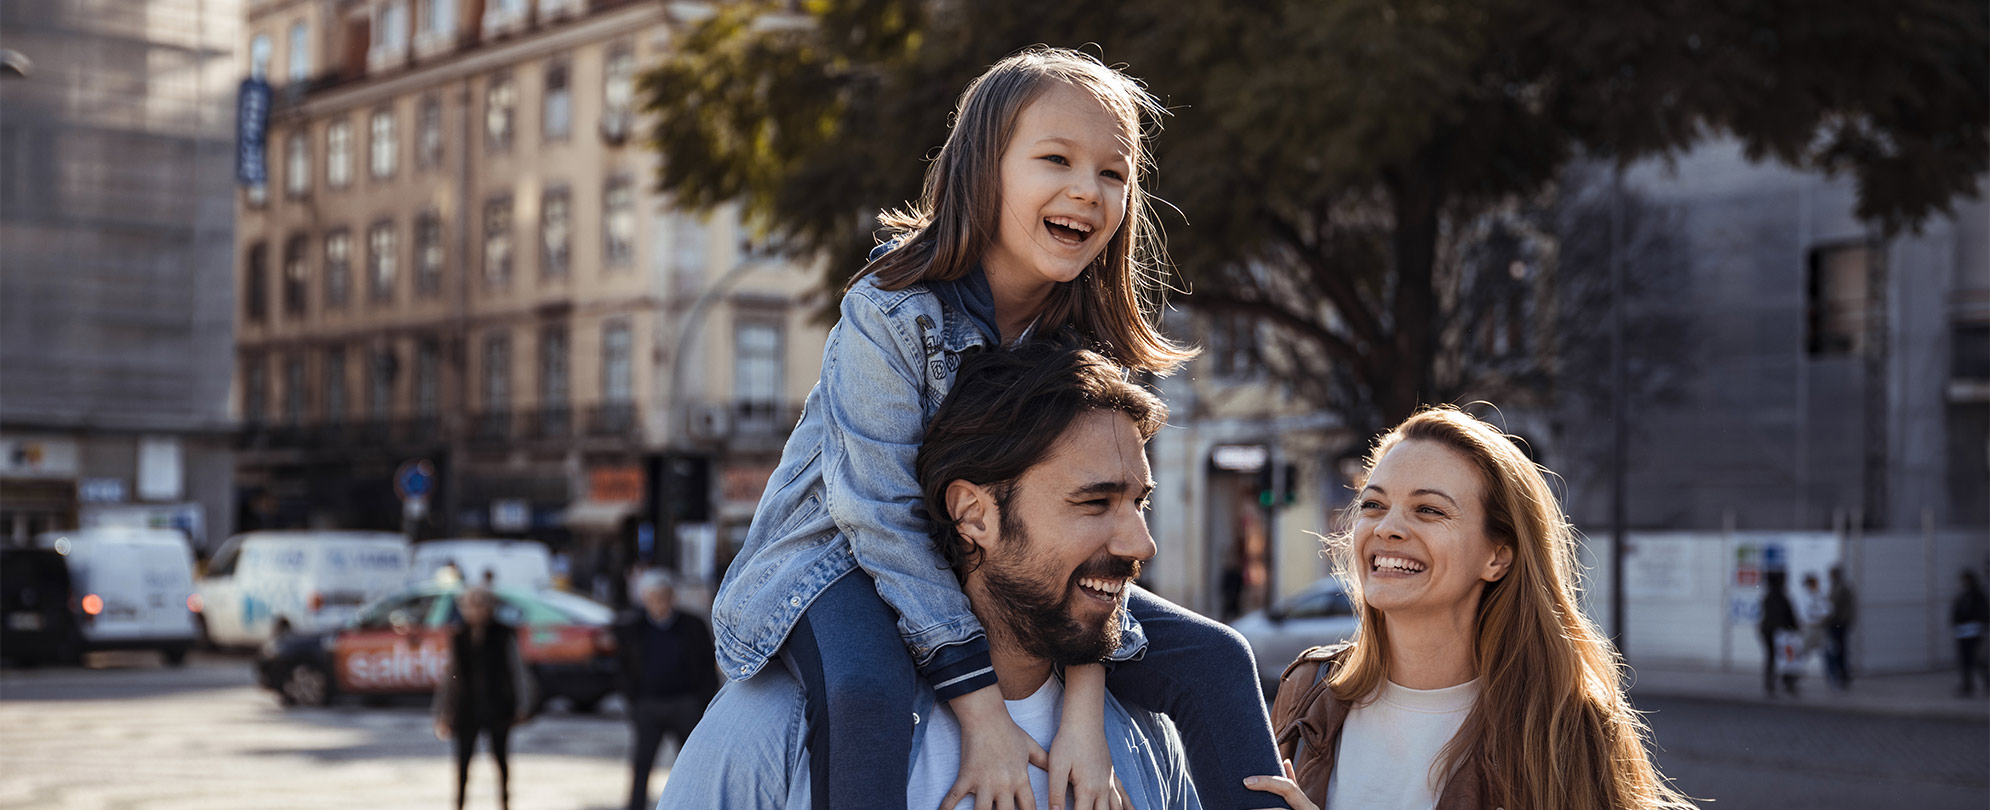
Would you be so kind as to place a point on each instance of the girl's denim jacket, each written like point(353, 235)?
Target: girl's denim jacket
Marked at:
point(845, 495)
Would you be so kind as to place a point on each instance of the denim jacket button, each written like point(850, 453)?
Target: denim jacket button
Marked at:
point(794, 601)
point(915, 718)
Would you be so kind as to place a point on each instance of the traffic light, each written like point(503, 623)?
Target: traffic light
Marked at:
point(1269, 495)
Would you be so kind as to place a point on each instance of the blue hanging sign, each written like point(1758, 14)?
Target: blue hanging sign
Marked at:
point(251, 130)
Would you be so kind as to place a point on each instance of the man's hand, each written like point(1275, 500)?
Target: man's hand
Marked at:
point(995, 755)
point(441, 729)
point(1080, 761)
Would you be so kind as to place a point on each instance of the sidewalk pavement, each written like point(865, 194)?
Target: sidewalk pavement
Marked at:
point(1920, 694)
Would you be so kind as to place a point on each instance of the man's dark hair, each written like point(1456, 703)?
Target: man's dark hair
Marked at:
point(1006, 410)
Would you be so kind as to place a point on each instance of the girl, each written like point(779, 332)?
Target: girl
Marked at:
point(1475, 681)
point(1033, 222)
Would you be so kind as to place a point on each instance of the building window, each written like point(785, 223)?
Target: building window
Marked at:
point(390, 30)
point(497, 372)
point(428, 382)
point(428, 133)
point(385, 148)
point(555, 233)
point(618, 92)
point(338, 154)
point(497, 242)
point(380, 262)
point(296, 275)
point(380, 374)
point(255, 389)
point(428, 253)
point(297, 164)
point(1836, 306)
point(293, 390)
point(617, 384)
point(438, 18)
point(558, 112)
point(554, 392)
point(688, 247)
point(756, 381)
point(259, 49)
point(500, 110)
point(338, 267)
point(300, 52)
point(335, 404)
point(500, 14)
point(255, 284)
point(618, 221)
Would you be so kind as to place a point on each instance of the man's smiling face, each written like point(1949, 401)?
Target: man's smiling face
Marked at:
point(1070, 541)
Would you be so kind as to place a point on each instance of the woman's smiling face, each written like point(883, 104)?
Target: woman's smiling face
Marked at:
point(1419, 537)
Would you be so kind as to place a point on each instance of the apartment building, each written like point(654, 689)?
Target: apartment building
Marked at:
point(458, 260)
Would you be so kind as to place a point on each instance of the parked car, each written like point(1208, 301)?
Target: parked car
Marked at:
point(400, 645)
point(265, 585)
point(129, 589)
point(1320, 614)
point(511, 563)
point(39, 606)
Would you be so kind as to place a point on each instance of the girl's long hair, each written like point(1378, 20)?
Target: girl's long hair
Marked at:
point(1552, 727)
point(1114, 301)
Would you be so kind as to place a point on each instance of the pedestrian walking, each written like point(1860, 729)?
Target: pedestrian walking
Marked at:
point(669, 673)
point(1813, 616)
point(1838, 630)
point(1968, 615)
point(1779, 618)
point(485, 689)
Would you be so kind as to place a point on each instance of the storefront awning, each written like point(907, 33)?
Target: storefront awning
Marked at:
point(598, 516)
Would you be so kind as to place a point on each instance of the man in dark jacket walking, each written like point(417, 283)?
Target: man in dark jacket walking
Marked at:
point(669, 673)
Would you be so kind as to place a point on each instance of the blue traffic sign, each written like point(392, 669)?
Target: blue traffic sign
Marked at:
point(414, 479)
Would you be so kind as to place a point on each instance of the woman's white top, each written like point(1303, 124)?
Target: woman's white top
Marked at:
point(1389, 747)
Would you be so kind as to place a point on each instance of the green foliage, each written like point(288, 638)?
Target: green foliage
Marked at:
point(1318, 151)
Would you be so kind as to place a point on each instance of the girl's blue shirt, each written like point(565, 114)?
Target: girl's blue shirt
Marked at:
point(845, 496)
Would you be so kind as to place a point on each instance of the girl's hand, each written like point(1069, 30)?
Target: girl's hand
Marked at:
point(995, 755)
point(441, 730)
point(1079, 757)
point(1286, 787)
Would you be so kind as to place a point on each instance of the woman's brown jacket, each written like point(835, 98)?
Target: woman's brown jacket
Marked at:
point(1307, 720)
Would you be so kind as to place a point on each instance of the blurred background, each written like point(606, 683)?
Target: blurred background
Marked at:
point(296, 294)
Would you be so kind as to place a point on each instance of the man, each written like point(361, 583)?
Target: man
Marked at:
point(668, 674)
point(1838, 628)
point(1036, 473)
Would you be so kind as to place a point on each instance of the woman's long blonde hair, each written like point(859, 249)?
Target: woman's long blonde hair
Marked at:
point(1115, 301)
point(1552, 727)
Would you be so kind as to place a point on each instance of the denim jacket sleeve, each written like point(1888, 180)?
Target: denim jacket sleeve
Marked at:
point(874, 376)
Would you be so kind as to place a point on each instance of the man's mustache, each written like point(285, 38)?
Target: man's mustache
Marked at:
point(1107, 566)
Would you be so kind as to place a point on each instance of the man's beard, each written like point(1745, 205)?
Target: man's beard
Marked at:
point(1034, 608)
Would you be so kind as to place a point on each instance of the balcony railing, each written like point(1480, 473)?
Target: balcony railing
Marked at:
point(612, 419)
point(552, 423)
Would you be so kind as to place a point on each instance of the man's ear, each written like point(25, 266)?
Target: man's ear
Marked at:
point(973, 510)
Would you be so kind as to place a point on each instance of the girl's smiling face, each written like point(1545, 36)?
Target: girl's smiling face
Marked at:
point(1420, 542)
point(1064, 186)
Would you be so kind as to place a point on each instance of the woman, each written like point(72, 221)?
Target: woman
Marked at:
point(1968, 615)
point(486, 689)
point(1475, 680)
point(1779, 616)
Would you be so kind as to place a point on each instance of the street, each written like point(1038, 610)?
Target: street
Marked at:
point(134, 734)
point(140, 736)
point(1766, 757)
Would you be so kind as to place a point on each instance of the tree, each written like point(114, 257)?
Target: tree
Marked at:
point(1321, 153)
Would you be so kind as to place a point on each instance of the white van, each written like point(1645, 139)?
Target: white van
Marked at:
point(262, 585)
point(511, 563)
point(133, 588)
